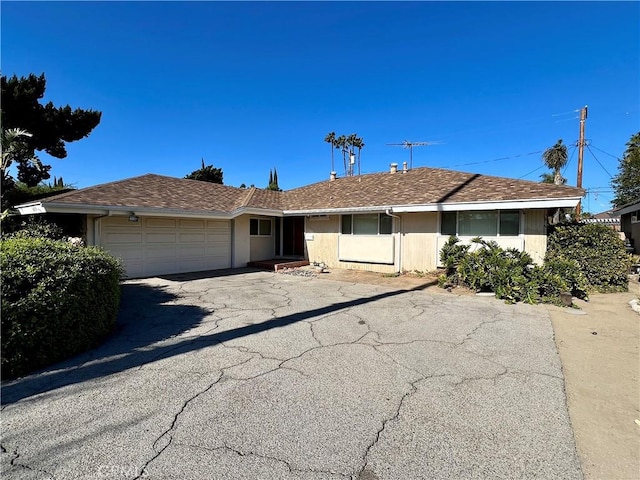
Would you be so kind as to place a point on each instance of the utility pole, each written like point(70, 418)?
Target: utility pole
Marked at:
point(583, 119)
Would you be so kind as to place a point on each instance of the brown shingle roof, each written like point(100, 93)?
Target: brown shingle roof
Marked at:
point(420, 186)
point(157, 191)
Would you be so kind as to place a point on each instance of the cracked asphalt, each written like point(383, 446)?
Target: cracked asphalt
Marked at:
point(263, 376)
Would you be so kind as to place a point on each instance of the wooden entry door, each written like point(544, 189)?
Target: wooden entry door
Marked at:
point(293, 236)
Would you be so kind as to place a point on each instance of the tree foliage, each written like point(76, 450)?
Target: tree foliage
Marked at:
point(626, 184)
point(346, 144)
point(51, 127)
point(273, 181)
point(597, 249)
point(57, 300)
point(555, 158)
point(207, 173)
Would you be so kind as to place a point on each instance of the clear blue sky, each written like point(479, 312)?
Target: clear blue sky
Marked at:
point(252, 86)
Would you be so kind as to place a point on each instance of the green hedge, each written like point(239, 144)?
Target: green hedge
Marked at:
point(57, 300)
point(597, 249)
point(509, 273)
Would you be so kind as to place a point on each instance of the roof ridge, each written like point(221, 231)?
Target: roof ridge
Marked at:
point(248, 197)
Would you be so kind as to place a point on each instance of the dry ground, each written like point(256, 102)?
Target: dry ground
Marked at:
point(601, 364)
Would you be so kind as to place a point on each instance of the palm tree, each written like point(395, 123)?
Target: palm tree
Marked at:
point(331, 138)
point(342, 144)
point(358, 143)
point(549, 177)
point(556, 158)
point(11, 147)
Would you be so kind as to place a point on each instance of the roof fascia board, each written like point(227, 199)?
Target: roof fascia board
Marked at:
point(44, 207)
point(628, 209)
point(448, 207)
point(257, 211)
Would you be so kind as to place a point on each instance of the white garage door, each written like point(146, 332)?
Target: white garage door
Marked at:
point(159, 246)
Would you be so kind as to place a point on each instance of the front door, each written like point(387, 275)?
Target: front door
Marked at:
point(293, 236)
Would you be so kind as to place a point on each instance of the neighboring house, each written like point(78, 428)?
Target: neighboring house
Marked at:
point(609, 218)
point(384, 222)
point(630, 223)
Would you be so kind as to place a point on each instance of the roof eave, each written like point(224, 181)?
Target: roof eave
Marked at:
point(49, 207)
point(628, 209)
point(524, 204)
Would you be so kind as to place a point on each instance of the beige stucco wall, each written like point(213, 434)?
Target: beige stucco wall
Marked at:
point(535, 234)
point(322, 240)
point(416, 241)
point(262, 247)
point(241, 246)
point(419, 241)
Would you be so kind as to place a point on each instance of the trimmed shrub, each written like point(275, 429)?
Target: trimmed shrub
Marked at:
point(38, 228)
point(597, 249)
point(57, 300)
point(511, 274)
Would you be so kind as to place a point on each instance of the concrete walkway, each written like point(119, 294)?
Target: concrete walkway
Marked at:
point(259, 375)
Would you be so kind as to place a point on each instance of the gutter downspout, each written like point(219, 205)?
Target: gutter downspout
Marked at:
point(95, 226)
point(389, 212)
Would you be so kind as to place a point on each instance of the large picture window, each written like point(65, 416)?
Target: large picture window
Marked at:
point(481, 223)
point(260, 227)
point(367, 224)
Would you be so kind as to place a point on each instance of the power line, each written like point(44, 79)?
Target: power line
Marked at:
point(569, 162)
point(493, 160)
point(607, 171)
point(532, 171)
point(613, 156)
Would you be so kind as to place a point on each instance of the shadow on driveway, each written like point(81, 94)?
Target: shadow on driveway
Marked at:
point(146, 318)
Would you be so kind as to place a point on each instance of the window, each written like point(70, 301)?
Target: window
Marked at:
point(260, 227)
point(367, 224)
point(480, 223)
point(449, 223)
point(509, 223)
point(346, 224)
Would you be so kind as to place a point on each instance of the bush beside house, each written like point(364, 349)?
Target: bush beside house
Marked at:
point(58, 299)
point(598, 250)
point(511, 274)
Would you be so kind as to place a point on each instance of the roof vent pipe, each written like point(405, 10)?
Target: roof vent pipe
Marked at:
point(404, 167)
point(394, 168)
point(332, 176)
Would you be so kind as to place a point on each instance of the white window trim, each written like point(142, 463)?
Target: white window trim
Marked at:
point(457, 234)
point(367, 234)
point(259, 234)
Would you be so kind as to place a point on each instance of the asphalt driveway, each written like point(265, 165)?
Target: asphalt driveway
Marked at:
point(262, 376)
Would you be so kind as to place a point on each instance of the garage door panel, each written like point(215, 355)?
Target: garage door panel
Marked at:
point(160, 246)
point(124, 238)
point(153, 222)
point(165, 237)
point(192, 237)
point(188, 251)
point(218, 238)
point(159, 252)
point(189, 223)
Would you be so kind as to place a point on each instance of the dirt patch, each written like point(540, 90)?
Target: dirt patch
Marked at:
point(405, 281)
point(599, 354)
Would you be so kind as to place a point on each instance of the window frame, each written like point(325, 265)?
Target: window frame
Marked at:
point(351, 228)
point(498, 223)
point(260, 222)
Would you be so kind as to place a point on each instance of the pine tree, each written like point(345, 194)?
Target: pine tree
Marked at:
point(626, 184)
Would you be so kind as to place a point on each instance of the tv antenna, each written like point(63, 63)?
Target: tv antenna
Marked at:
point(408, 144)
